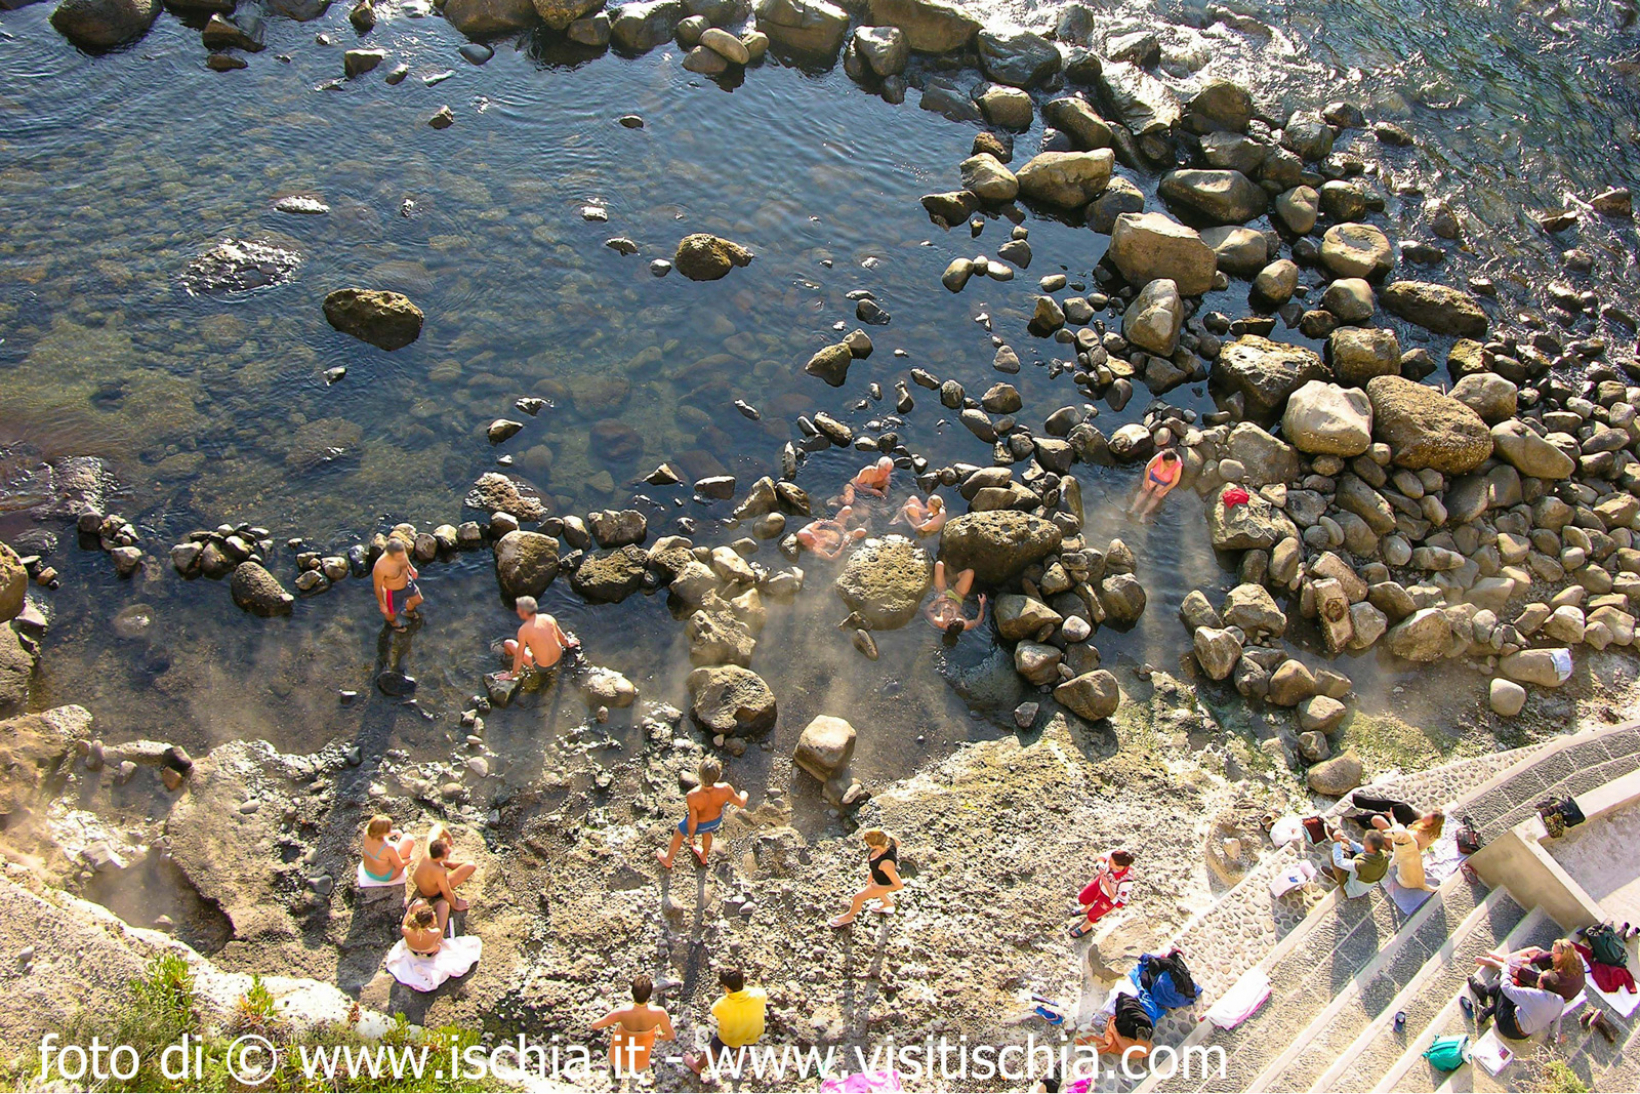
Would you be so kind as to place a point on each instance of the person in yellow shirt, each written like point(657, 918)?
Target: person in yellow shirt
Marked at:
point(739, 1015)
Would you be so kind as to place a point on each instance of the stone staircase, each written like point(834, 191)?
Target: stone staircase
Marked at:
point(1340, 971)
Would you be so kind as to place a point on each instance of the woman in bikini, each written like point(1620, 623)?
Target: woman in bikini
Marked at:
point(1107, 891)
point(1162, 474)
point(883, 860)
point(386, 852)
point(945, 610)
point(925, 519)
point(828, 537)
point(420, 929)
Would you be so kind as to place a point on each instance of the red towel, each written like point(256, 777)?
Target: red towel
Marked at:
point(1234, 496)
point(1609, 978)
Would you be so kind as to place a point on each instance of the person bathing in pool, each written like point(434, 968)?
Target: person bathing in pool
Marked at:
point(871, 480)
point(945, 610)
point(706, 805)
point(1162, 474)
point(828, 538)
point(925, 518)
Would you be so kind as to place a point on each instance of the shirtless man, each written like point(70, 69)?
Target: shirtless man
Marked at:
point(540, 642)
point(437, 875)
point(1162, 474)
point(706, 804)
point(829, 537)
point(636, 1029)
point(925, 519)
point(871, 480)
point(395, 581)
point(945, 610)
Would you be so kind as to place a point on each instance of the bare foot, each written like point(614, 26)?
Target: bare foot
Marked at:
point(660, 857)
point(699, 856)
point(459, 905)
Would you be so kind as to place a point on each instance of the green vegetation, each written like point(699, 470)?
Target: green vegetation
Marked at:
point(163, 1009)
point(1559, 1078)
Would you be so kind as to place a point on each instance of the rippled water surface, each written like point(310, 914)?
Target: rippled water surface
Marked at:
point(115, 172)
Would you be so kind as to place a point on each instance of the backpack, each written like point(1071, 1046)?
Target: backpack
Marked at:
point(1448, 1053)
point(1132, 1020)
point(1605, 947)
point(1467, 836)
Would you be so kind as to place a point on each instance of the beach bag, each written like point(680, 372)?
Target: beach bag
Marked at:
point(1605, 947)
point(1448, 1053)
point(1559, 815)
point(1467, 837)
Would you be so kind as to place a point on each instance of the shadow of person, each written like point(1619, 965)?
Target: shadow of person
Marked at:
point(393, 648)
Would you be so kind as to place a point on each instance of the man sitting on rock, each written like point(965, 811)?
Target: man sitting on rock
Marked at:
point(437, 875)
point(541, 642)
point(1367, 865)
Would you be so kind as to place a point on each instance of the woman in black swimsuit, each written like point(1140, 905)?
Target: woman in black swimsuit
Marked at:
point(883, 859)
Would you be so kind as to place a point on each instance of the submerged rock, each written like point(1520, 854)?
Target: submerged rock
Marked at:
point(387, 320)
point(238, 265)
point(259, 592)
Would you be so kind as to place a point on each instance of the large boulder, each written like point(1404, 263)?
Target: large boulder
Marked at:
point(259, 592)
point(1021, 617)
point(885, 580)
point(559, 14)
point(1147, 246)
point(1221, 197)
point(1326, 419)
point(1360, 353)
point(997, 545)
point(34, 749)
point(1153, 320)
point(525, 563)
point(1438, 308)
point(825, 747)
point(1255, 611)
point(608, 578)
point(1527, 452)
point(985, 176)
point(930, 26)
point(886, 51)
point(732, 701)
point(1338, 776)
point(1018, 58)
point(387, 320)
point(1243, 252)
point(719, 638)
point(1253, 524)
point(1547, 668)
point(1489, 395)
point(643, 26)
point(1093, 695)
point(1425, 428)
point(1217, 651)
point(1139, 100)
point(807, 26)
point(1356, 250)
point(1264, 457)
point(481, 20)
point(1265, 373)
point(17, 666)
point(96, 25)
point(1066, 180)
point(1422, 636)
point(705, 257)
point(13, 584)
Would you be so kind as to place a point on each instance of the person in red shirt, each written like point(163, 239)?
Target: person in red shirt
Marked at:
point(1162, 474)
point(1107, 891)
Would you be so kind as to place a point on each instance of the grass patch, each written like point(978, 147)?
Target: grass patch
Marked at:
point(1559, 1078)
point(163, 1009)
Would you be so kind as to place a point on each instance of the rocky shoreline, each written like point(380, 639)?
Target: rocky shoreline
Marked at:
point(1485, 521)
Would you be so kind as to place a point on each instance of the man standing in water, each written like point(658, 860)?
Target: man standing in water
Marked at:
point(395, 580)
point(541, 642)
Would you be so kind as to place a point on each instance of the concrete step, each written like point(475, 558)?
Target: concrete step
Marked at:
point(1358, 1064)
point(1411, 1073)
point(1299, 1058)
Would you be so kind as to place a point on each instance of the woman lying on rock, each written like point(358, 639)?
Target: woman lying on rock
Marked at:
point(945, 610)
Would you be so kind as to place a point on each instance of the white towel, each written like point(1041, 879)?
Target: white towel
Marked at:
point(365, 881)
point(1623, 1002)
point(1242, 1001)
point(454, 958)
